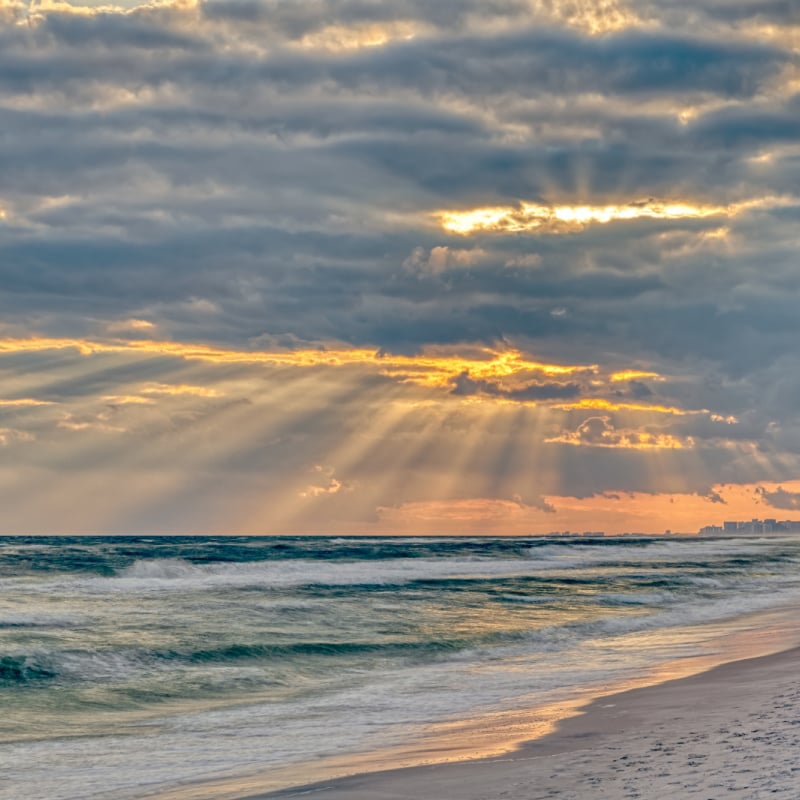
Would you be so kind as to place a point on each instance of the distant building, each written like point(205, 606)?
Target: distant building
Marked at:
point(750, 527)
point(711, 530)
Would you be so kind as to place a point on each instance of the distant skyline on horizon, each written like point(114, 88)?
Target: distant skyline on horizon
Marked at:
point(340, 268)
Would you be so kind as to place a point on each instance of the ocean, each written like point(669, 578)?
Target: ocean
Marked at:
point(130, 666)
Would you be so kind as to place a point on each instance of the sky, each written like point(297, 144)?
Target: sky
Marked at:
point(370, 267)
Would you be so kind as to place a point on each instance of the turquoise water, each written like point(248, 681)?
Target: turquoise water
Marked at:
point(128, 665)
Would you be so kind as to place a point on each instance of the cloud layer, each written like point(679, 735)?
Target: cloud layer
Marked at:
point(329, 264)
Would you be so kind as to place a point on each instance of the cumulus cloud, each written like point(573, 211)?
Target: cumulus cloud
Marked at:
point(441, 259)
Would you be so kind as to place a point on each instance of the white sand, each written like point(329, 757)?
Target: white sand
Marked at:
point(732, 732)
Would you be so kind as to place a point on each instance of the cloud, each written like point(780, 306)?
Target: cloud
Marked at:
point(563, 219)
point(477, 511)
point(780, 498)
point(240, 238)
point(600, 431)
point(464, 386)
point(11, 436)
point(709, 493)
point(441, 259)
point(326, 483)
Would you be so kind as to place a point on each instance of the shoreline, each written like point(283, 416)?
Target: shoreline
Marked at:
point(589, 727)
point(614, 736)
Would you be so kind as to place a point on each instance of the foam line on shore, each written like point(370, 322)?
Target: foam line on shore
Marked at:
point(730, 731)
point(602, 729)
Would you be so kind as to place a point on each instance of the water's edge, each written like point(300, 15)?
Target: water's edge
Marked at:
point(594, 725)
point(535, 731)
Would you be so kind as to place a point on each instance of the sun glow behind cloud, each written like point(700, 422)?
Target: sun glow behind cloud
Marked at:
point(554, 219)
point(533, 217)
point(354, 37)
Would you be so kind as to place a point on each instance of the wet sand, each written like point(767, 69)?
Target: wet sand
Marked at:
point(731, 732)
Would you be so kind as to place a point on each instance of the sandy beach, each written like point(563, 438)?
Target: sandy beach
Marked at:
point(730, 732)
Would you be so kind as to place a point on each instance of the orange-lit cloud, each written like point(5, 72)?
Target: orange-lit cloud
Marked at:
point(70, 424)
point(601, 404)
point(327, 483)
point(475, 375)
point(130, 325)
point(634, 375)
point(601, 432)
point(179, 389)
point(25, 401)
point(478, 510)
point(127, 399)
point(436, 369)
